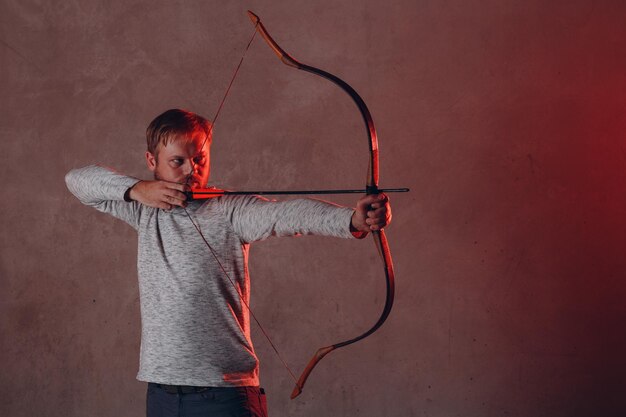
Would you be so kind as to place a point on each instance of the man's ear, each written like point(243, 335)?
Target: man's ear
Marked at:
point(151, 161)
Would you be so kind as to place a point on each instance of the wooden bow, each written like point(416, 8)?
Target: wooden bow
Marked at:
point(371, 188)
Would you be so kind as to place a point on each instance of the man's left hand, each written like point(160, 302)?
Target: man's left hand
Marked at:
point(372, 213)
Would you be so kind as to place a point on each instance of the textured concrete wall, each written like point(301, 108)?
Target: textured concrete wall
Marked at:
point(506, 119)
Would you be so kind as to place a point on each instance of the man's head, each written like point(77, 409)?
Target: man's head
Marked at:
point(178, 147)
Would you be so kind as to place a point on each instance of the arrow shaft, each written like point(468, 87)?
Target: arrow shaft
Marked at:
point(208, 194)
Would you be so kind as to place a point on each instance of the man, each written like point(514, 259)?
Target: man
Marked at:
point(196, 351)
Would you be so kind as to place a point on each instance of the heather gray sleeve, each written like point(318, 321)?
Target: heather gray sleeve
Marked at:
point(104, 190)
point(254, 218)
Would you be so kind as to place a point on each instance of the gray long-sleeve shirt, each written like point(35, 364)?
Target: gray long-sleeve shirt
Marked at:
point(195, 330)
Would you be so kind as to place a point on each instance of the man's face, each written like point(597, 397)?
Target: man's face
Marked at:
point(182, 161)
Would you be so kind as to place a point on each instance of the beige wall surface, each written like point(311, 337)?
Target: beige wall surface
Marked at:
point(505, 118)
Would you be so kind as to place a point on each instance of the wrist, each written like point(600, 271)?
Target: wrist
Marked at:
point(129, 195)
point(356, 232)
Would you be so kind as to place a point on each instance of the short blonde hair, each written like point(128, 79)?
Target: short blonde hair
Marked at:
point(175, 124)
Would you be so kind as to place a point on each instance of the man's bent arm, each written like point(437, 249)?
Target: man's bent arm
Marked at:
point(105, 190)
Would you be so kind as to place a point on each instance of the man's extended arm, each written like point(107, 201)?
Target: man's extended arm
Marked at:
point(256, 219)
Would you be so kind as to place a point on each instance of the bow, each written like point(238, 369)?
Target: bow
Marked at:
point(379, 237)
point(371, 188)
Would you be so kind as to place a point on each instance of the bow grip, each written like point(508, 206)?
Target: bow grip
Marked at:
point(371, 189)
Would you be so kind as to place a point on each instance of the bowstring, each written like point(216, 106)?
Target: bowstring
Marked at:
point(195, 225)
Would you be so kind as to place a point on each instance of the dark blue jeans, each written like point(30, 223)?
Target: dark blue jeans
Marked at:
point(214, 402)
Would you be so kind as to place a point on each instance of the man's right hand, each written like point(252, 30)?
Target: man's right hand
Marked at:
point(159, 194)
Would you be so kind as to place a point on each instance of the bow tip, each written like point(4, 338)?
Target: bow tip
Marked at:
point(255, 19)
point(296, 391)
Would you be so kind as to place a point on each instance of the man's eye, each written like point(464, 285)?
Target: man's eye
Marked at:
point(177, 162)
point(199, 160)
